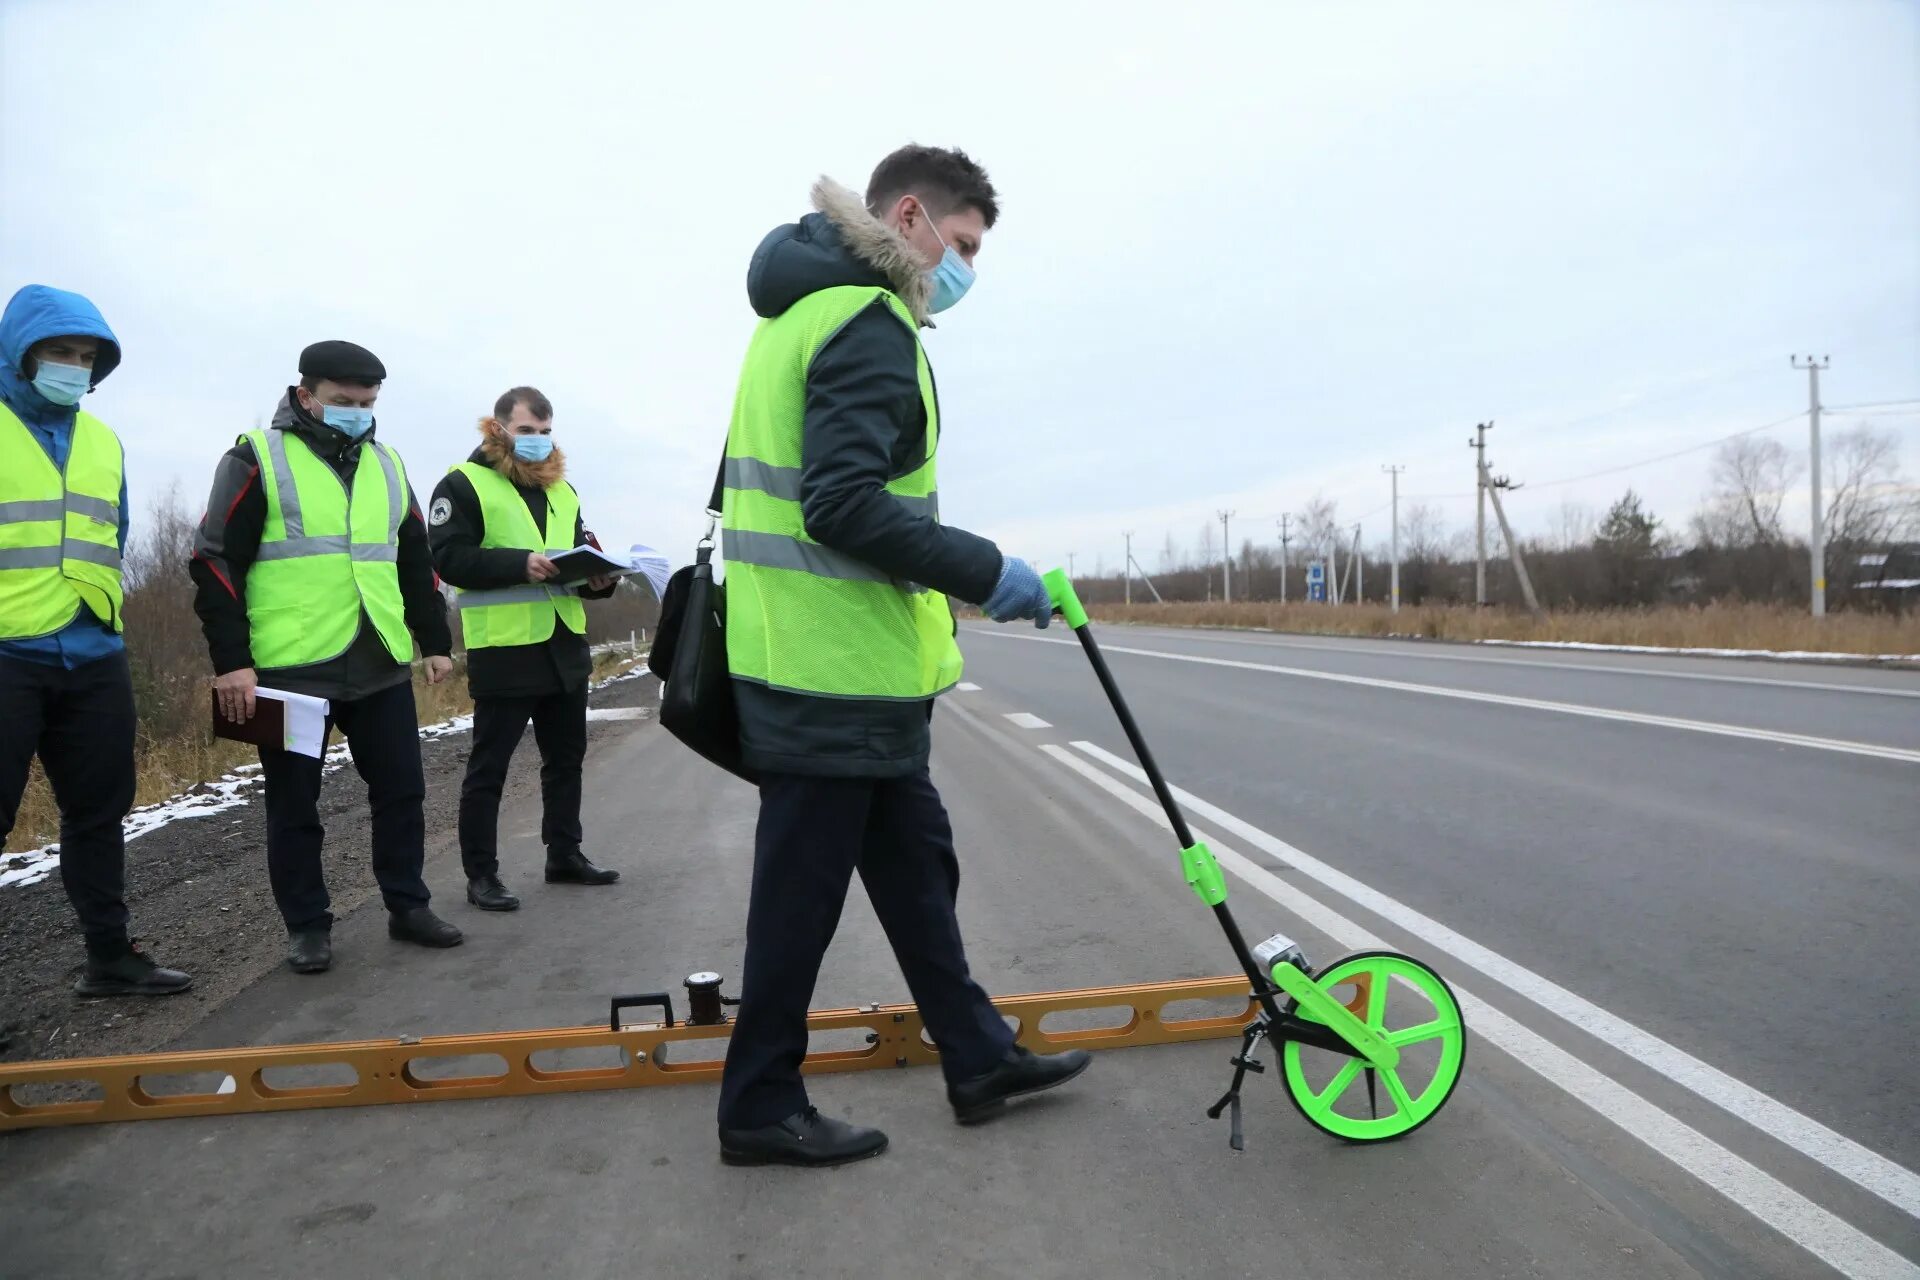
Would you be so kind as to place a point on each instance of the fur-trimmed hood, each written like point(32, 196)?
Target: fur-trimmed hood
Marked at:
point(838, 244)
point(495, 453)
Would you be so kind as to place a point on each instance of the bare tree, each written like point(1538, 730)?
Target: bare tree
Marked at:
point(1868, 503)
point(1319, 524)
point(1575, 523)
point(1169, 555)
point(1749, 478)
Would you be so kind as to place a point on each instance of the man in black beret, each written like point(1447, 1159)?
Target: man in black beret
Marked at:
point(314, 576)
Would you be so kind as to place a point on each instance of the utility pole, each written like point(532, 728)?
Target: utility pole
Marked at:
point(1359, 570)
point(1149, 581)
point(1283, 558)
point(1394, 589)
point(1127, 568)
point(1070, 564)
point(1817, 540)
point(1226, 559)
point(1494, 486)
point(1480, 514)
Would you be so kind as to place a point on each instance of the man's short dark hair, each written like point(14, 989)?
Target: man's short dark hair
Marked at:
point(538, 405)
point(945, 177)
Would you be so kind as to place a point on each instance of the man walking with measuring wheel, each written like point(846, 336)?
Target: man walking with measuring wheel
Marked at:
point(839, 638)
point(493, 520)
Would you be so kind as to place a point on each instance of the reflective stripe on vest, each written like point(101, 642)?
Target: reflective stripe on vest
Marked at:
point(59, 530)
point(801, 616)
point(523, 614)
point(328, 553)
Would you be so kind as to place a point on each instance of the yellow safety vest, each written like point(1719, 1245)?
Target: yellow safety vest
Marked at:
point(524, 614)
point(328, 551)
point(59, 532)
point(800, 616)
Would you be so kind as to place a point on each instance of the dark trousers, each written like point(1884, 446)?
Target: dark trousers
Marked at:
point(384, 738)
point(560, 731)
point(81, 725)
point(813, 833)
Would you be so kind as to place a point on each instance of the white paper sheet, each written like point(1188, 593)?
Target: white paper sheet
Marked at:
point(305, 720)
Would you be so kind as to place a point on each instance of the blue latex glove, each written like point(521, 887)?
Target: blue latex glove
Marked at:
point(1019, 594)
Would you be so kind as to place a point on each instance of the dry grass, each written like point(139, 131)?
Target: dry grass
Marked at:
point(165, 766)
point(1715, 626)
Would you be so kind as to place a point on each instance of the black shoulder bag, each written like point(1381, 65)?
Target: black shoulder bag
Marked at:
point(689, 655)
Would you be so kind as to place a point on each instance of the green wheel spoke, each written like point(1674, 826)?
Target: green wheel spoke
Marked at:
point(1377, 998)
point(1425, 1031)
point(1398, 1092)
point(1324, 1100)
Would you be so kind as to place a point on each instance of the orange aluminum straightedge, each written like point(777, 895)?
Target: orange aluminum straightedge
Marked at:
point(402, 1070)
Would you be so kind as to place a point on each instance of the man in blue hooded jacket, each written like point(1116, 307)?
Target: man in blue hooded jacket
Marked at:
point(66, 693)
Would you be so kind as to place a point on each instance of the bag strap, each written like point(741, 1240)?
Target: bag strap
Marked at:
point(703, 553)
point(719, 485)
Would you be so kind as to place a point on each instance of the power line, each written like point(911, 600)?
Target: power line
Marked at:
point(1677, 453)
point(1867, 408)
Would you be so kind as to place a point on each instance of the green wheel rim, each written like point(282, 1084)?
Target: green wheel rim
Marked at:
point(1402, 1111)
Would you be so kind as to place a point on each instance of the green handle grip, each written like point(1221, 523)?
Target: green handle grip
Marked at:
point(1065, 599)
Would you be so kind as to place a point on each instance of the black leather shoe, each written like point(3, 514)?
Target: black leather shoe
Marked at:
point(420, 925)
point(131, 973)
point(488, 894)
point(1020, 1073)
point(573, 868)
point(805, 1138)
point(310, 951)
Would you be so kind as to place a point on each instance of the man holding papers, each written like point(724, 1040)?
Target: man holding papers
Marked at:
point(314, 577)
point(497, 523)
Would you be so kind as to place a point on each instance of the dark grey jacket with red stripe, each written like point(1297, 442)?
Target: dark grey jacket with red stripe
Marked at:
point(229, 540)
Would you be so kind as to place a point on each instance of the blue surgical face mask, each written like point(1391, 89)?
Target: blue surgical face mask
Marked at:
point(62, 383)
point(532, 448)
point(952, 277)
point(349, 422)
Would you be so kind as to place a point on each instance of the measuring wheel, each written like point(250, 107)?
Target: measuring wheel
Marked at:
point(1412, 1007)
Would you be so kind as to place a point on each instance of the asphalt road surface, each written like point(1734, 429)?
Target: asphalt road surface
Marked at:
point(1676, 897)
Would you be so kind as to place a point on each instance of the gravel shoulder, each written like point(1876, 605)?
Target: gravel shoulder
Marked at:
point(198, 891)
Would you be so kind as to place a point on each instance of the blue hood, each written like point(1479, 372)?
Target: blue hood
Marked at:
point(35, 314)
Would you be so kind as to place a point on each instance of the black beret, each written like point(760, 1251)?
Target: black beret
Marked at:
point(342, 362)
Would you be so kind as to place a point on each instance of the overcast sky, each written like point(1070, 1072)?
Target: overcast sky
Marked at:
point(1247, 253)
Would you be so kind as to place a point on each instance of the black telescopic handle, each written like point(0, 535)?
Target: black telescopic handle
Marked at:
point(1132, 730)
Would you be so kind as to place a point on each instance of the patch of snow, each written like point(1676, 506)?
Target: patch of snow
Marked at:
point(30, 867)
point(1783, 655)
point(228, 791)
point(459, 724)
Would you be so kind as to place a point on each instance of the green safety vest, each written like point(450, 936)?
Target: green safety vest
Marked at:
point(523, 614)
point(59, 533)
point(327, 552)
point(800, 616)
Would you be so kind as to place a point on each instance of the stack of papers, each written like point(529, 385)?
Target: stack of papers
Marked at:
point(582, 563)
point(306, 721)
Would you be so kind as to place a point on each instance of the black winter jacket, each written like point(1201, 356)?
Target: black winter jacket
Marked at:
point(864, 424)
point(455, 526)
point(229, 540)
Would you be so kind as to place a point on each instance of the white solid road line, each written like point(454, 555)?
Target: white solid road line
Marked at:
point(1027, 720)
point(1819, 1231)
point(1894, 1183)
point(1411, 649)
point(967, 686)
point(1901, 754)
